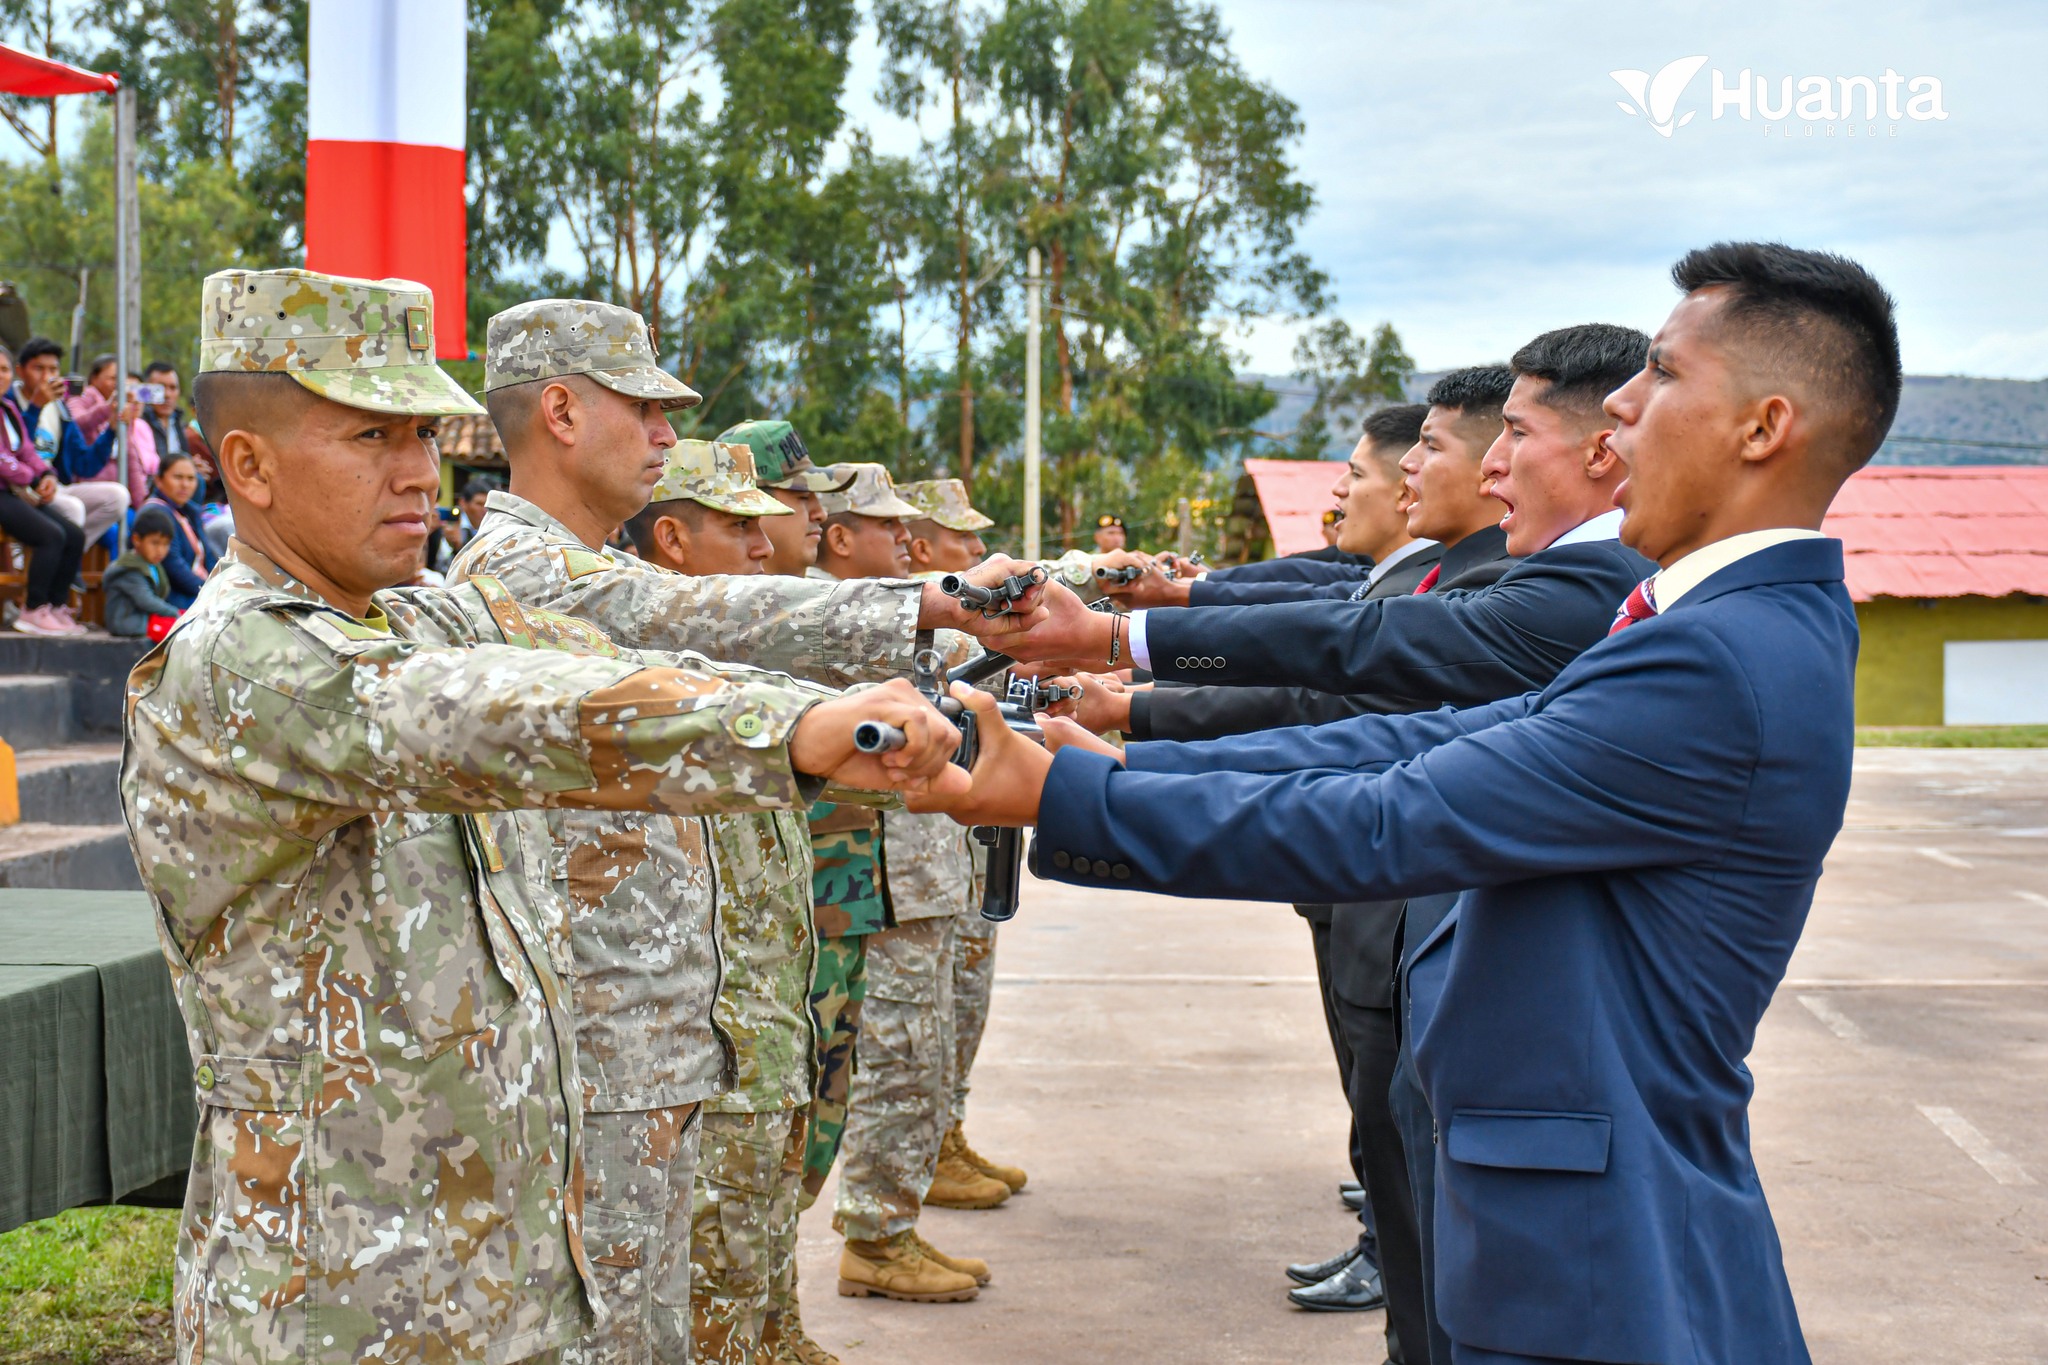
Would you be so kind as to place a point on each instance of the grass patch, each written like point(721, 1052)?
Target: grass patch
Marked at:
point(88, 1285)
point(1953, 736)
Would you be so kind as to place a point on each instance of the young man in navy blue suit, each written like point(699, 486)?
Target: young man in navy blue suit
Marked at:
point(1642, 839)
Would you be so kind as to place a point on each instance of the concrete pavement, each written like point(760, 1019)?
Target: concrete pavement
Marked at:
point(1160, 1067)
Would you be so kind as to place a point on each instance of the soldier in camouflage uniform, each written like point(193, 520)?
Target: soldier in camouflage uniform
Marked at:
point(325, 787)
point(902, 1083)
point(578, 398)
point(783, 470)
point(946, 539)
point(704, 518)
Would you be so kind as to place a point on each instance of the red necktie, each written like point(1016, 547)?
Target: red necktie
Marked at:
point(1429, 579)
point(1640, 606)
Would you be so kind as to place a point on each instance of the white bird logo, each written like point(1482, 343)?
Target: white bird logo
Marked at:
point(1656, 98)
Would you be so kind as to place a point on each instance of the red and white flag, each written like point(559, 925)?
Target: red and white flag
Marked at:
point(386, 115)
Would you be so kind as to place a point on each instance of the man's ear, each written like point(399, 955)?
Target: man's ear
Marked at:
point(672, 539)
point(1598, 458)
point(1767, 428)
point(561, 413)
point(246, 465)
point(920, 551)
point(838, 539)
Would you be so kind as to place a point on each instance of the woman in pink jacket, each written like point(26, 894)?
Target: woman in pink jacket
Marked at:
point(54, 545)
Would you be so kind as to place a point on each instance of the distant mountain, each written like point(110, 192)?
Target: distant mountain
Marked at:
point(1943, 419)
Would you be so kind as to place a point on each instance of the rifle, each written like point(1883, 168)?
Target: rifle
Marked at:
point(1120, 576)
point(1005, 845)
point(1000, 600)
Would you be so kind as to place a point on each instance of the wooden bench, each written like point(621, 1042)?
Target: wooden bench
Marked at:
point(90, 606)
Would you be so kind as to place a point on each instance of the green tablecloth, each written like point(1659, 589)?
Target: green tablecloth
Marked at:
point(95, 1079)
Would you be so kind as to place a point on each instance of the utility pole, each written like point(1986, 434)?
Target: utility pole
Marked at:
point(127, 273)
point(1031, 403)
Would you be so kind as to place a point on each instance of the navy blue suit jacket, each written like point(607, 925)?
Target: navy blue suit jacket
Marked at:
point(1642, 839)
point(1456, 647)
point(1327, 565)
point(1209, 591)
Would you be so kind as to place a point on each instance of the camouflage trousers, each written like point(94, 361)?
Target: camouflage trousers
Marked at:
point(638, 1172)
point(838, 988)
point(742, 1229)
point(974, 978)
point(901, 1103)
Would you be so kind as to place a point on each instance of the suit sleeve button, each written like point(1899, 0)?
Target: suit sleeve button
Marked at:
point(1181, 662)
point(1061, 859)
point(1122, 872)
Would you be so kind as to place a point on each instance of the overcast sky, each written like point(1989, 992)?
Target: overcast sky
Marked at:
point(1477, 183)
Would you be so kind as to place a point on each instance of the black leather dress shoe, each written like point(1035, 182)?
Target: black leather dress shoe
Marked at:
point(1353, 1199)
point(1315, 1272)
point(1354, 1289)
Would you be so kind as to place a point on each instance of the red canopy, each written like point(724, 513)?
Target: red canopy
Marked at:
point(24, 74)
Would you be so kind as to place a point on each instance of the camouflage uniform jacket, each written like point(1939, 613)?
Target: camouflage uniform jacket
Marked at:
point(1076, 569)
point(770, 947)
point(646, 951)
point(366, 949)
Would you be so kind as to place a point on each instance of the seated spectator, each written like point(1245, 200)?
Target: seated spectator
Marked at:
point(174, 433)
point(136, 584)
point(93, 410)
point(80, 464)
point(54, 545)
point(191, 557)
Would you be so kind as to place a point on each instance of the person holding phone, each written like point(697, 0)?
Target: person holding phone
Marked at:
point(28, 487)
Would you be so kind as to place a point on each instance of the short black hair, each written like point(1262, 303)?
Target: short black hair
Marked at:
point(1813, 316)
point(100, 362)
point(1582, 364)
point(1475, 391)
point(152, 521)
point(640, 526)
point(223, 400)
point(35, 348)
point(1398, 425)
point(476, 488)
point(157, 367)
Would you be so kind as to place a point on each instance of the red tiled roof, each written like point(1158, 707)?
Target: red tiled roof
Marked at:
point(1294, 494)
point(1952, 531)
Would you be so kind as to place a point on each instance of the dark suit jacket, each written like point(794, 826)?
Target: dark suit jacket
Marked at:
point(1461, 648)
point(1210, 591)
point(1183, 713)
point(1326, 565)
point(1643, 838)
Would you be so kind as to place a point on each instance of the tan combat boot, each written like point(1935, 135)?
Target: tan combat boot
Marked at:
point(966, 1265)
point(958, 1184)
point(894, 1268)
point(1009, 1175)
point(785, 1342)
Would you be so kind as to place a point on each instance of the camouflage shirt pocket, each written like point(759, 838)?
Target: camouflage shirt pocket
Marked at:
point(255, 1133)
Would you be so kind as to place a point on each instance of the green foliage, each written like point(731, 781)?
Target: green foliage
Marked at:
point(1953, 736)
point(88, 1285)
point(691, 159)
point(58, 222)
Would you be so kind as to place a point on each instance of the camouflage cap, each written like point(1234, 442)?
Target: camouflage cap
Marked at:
point(718, 474)
point(945, 501)
point(366, 343)
point(866, 491)
point(780, 460)
point(549, 338)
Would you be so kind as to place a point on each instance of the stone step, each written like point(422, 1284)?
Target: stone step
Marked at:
point(35, 712)
point(78, 784)
point(97, 666)
point(81, 857)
